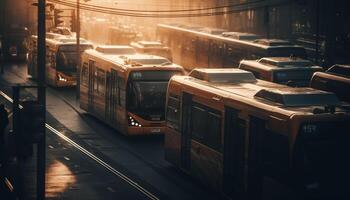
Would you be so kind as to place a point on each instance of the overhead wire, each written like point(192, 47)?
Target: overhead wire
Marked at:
point(143, 13)
point(227, 5)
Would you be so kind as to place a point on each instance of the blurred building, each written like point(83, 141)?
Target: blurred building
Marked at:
point(319, 25)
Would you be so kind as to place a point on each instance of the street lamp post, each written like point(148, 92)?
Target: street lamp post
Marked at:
point(78, 48)
point(41, 146)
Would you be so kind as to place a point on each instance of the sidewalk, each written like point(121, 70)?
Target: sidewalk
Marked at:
point(17, 176)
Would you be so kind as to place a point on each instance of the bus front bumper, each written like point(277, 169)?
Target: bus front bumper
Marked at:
point(67, 83)
point(146, 130)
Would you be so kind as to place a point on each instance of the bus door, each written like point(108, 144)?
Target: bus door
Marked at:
point(233, 155)
point(111, 95)
point(186, 132)
point(91, 85)
point(255, 151)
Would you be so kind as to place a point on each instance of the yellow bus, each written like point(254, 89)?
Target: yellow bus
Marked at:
point(192, 47)
point(61, 60)
point(233, 132)
point(126, 91)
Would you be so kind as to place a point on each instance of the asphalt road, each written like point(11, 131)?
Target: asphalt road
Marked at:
point(88, 160)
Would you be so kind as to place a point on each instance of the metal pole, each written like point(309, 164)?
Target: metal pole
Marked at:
point(41, 150)
point(2, 17)
point(317, 31)
point(78, 48)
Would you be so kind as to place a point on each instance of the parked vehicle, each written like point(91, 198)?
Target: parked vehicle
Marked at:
point(233, 132)
point(336, 79)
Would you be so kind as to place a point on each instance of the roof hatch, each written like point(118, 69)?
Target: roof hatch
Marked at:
point(298, 97)
point(228, 75)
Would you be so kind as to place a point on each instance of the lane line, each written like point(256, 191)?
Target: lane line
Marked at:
point(95, 158)
point(104, 164)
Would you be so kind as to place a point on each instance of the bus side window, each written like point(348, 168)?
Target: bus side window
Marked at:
point(173, 112)
point(275, 153)
point(121, 91)
point(99, 83)
point(84, 74)
point(206, 126)
point(50, 58)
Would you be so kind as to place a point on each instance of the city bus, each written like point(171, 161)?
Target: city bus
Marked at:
point(336, 79)
point(234, 132)
point(126, 91)
point(291, 71)
point(193, 48)
point(61, 64)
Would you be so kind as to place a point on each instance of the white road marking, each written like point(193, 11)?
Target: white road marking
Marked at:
point(104, 164)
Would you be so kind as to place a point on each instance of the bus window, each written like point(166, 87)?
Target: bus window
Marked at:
point(84, 74)
point(147, 98)
point(198, 121)
point(99, 83)
point(50, 58)
point(206, 126)
point(275, 148)
point(173, 112)
point(146, 93)
point(121, 91)
point(67, 57)
point(255, 178)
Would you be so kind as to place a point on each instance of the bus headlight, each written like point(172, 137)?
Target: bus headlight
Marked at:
point(133, 122)
point(61, 78)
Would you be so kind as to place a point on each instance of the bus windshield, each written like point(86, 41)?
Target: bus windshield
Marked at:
point(146, 93)
point(67, 57)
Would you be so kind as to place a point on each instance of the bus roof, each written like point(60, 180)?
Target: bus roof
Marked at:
point(241, 35)
point(115, 49)
point(214, 31)
point(147, 44)
point(281, 63)
point(340, 70)
point(66, 41)
point(292, 97)
point(222, 75)
point(260, 43)
point(134, 61)
point(273, 42)
point(270, 96)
